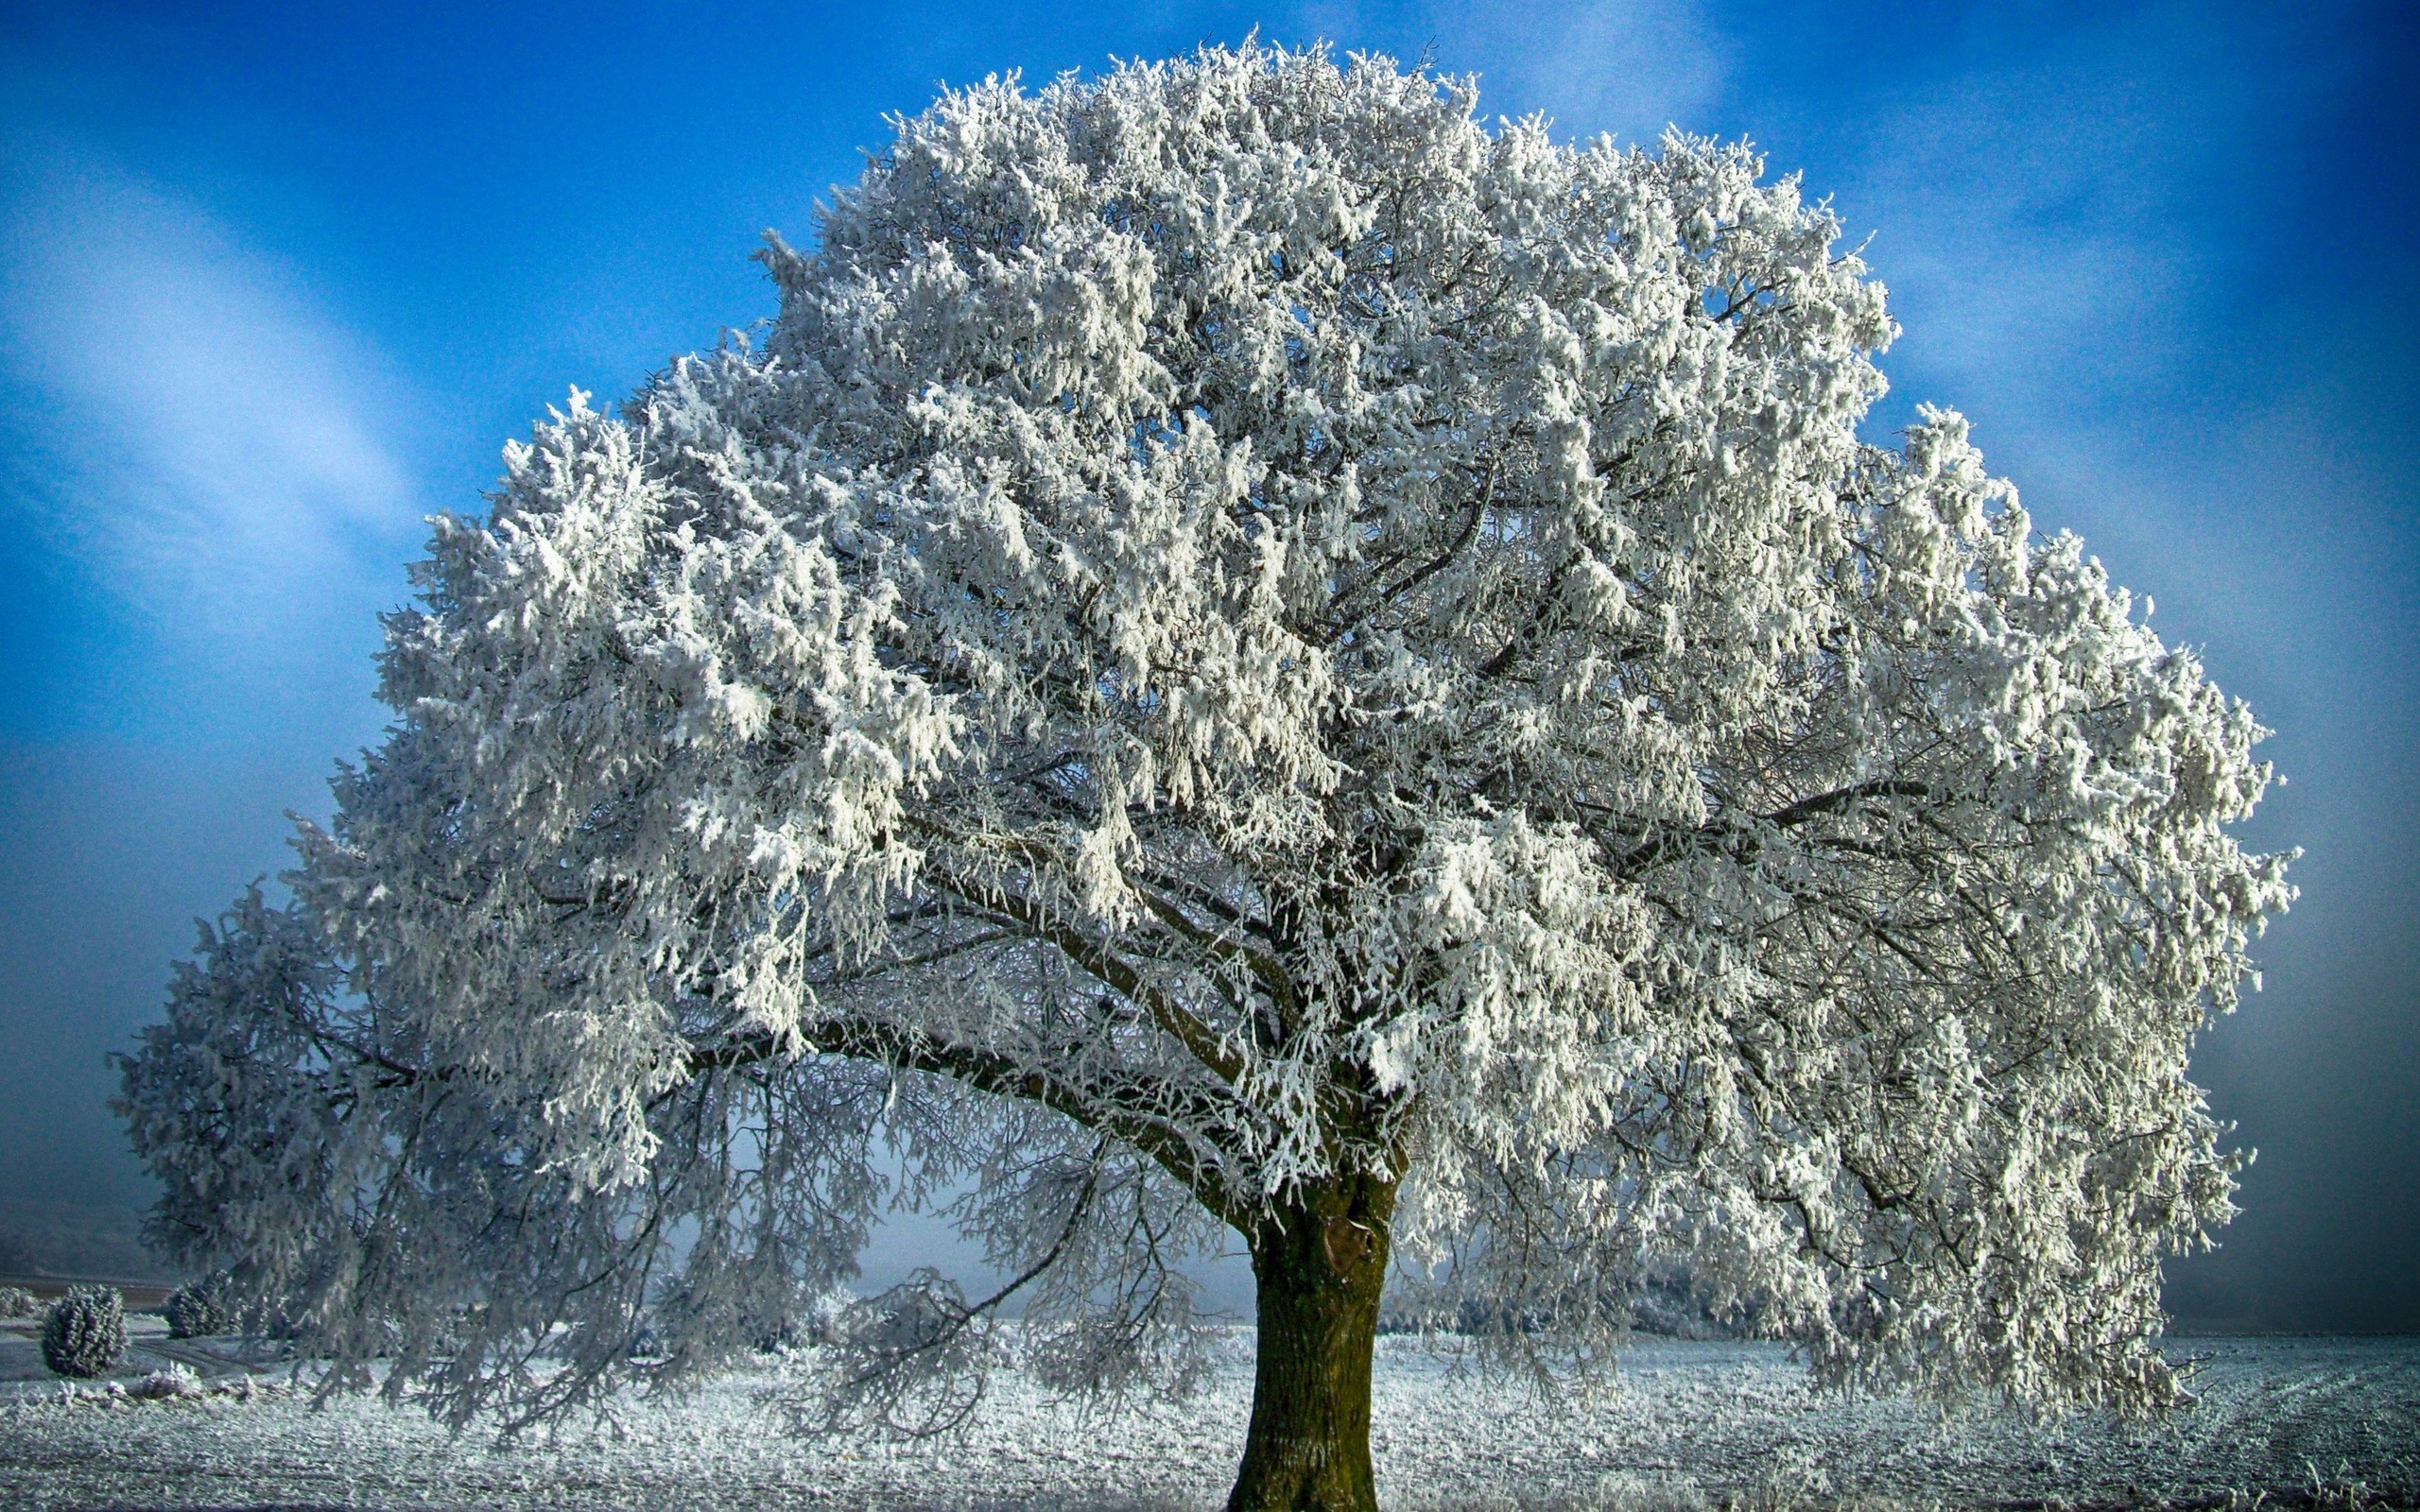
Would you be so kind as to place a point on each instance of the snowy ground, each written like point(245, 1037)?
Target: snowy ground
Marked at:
point(1690, 1425)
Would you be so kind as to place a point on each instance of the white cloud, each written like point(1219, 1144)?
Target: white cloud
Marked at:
point(2075, 204)
point(1628, 66)
point(212, 446)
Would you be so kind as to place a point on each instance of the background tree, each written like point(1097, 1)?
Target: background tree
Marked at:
point(1248, 653)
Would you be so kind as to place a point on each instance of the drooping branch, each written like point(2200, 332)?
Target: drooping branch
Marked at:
point(1169, 1122)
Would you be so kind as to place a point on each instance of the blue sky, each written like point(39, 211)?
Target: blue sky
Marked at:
point(276, 283)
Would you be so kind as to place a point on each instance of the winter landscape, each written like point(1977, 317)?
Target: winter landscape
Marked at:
point(1276, 790)
point(1686, 1425)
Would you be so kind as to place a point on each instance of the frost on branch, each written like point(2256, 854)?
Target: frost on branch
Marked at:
point(1242, 632)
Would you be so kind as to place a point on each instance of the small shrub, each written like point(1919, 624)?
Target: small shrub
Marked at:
point(646, 1344)
point(16, 1301)
point(821, 1326)
point(167, 1385)
point(85, 1332)
point(206, 1306)
point(784, 1337)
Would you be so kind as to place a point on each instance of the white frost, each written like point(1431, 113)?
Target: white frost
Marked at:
point(1242, 627)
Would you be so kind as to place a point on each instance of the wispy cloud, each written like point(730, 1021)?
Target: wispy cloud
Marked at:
point(2075, 205)
point(2084, 264)
point(1630, 67)
point(212, 447)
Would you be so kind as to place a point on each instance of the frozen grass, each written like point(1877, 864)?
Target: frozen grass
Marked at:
point(1690, 1426)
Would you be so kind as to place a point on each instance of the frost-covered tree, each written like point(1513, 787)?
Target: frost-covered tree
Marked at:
point(1248, 653)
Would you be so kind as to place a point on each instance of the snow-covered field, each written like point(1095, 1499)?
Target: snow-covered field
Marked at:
point(1689, 1424)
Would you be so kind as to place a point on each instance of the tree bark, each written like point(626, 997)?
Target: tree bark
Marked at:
point(1321, 1264)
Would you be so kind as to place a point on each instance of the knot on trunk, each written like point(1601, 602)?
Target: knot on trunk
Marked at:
point(1347, 1243)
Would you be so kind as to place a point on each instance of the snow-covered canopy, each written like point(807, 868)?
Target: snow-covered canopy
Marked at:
point(1242, 626)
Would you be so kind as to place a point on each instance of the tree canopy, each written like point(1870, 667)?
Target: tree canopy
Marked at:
point(1246, 653)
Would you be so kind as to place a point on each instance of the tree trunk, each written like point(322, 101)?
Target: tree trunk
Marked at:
point(1321, 1264)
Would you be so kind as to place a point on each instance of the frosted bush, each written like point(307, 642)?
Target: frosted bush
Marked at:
point(202, 1307)
point(820, 1324)
point(176, 1383)
point(646, 1344)
point(85, 1332)
point(782, 1340)
point(16, 1301)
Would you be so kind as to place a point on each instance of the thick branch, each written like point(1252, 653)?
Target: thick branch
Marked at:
point(1094, 1107)
point(1091, 954)
point(1673, 845)
point(1265, 968)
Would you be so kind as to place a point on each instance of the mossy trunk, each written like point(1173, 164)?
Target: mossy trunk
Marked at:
point(1321, 1266)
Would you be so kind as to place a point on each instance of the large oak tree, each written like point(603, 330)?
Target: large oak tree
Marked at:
point(1247, 654)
